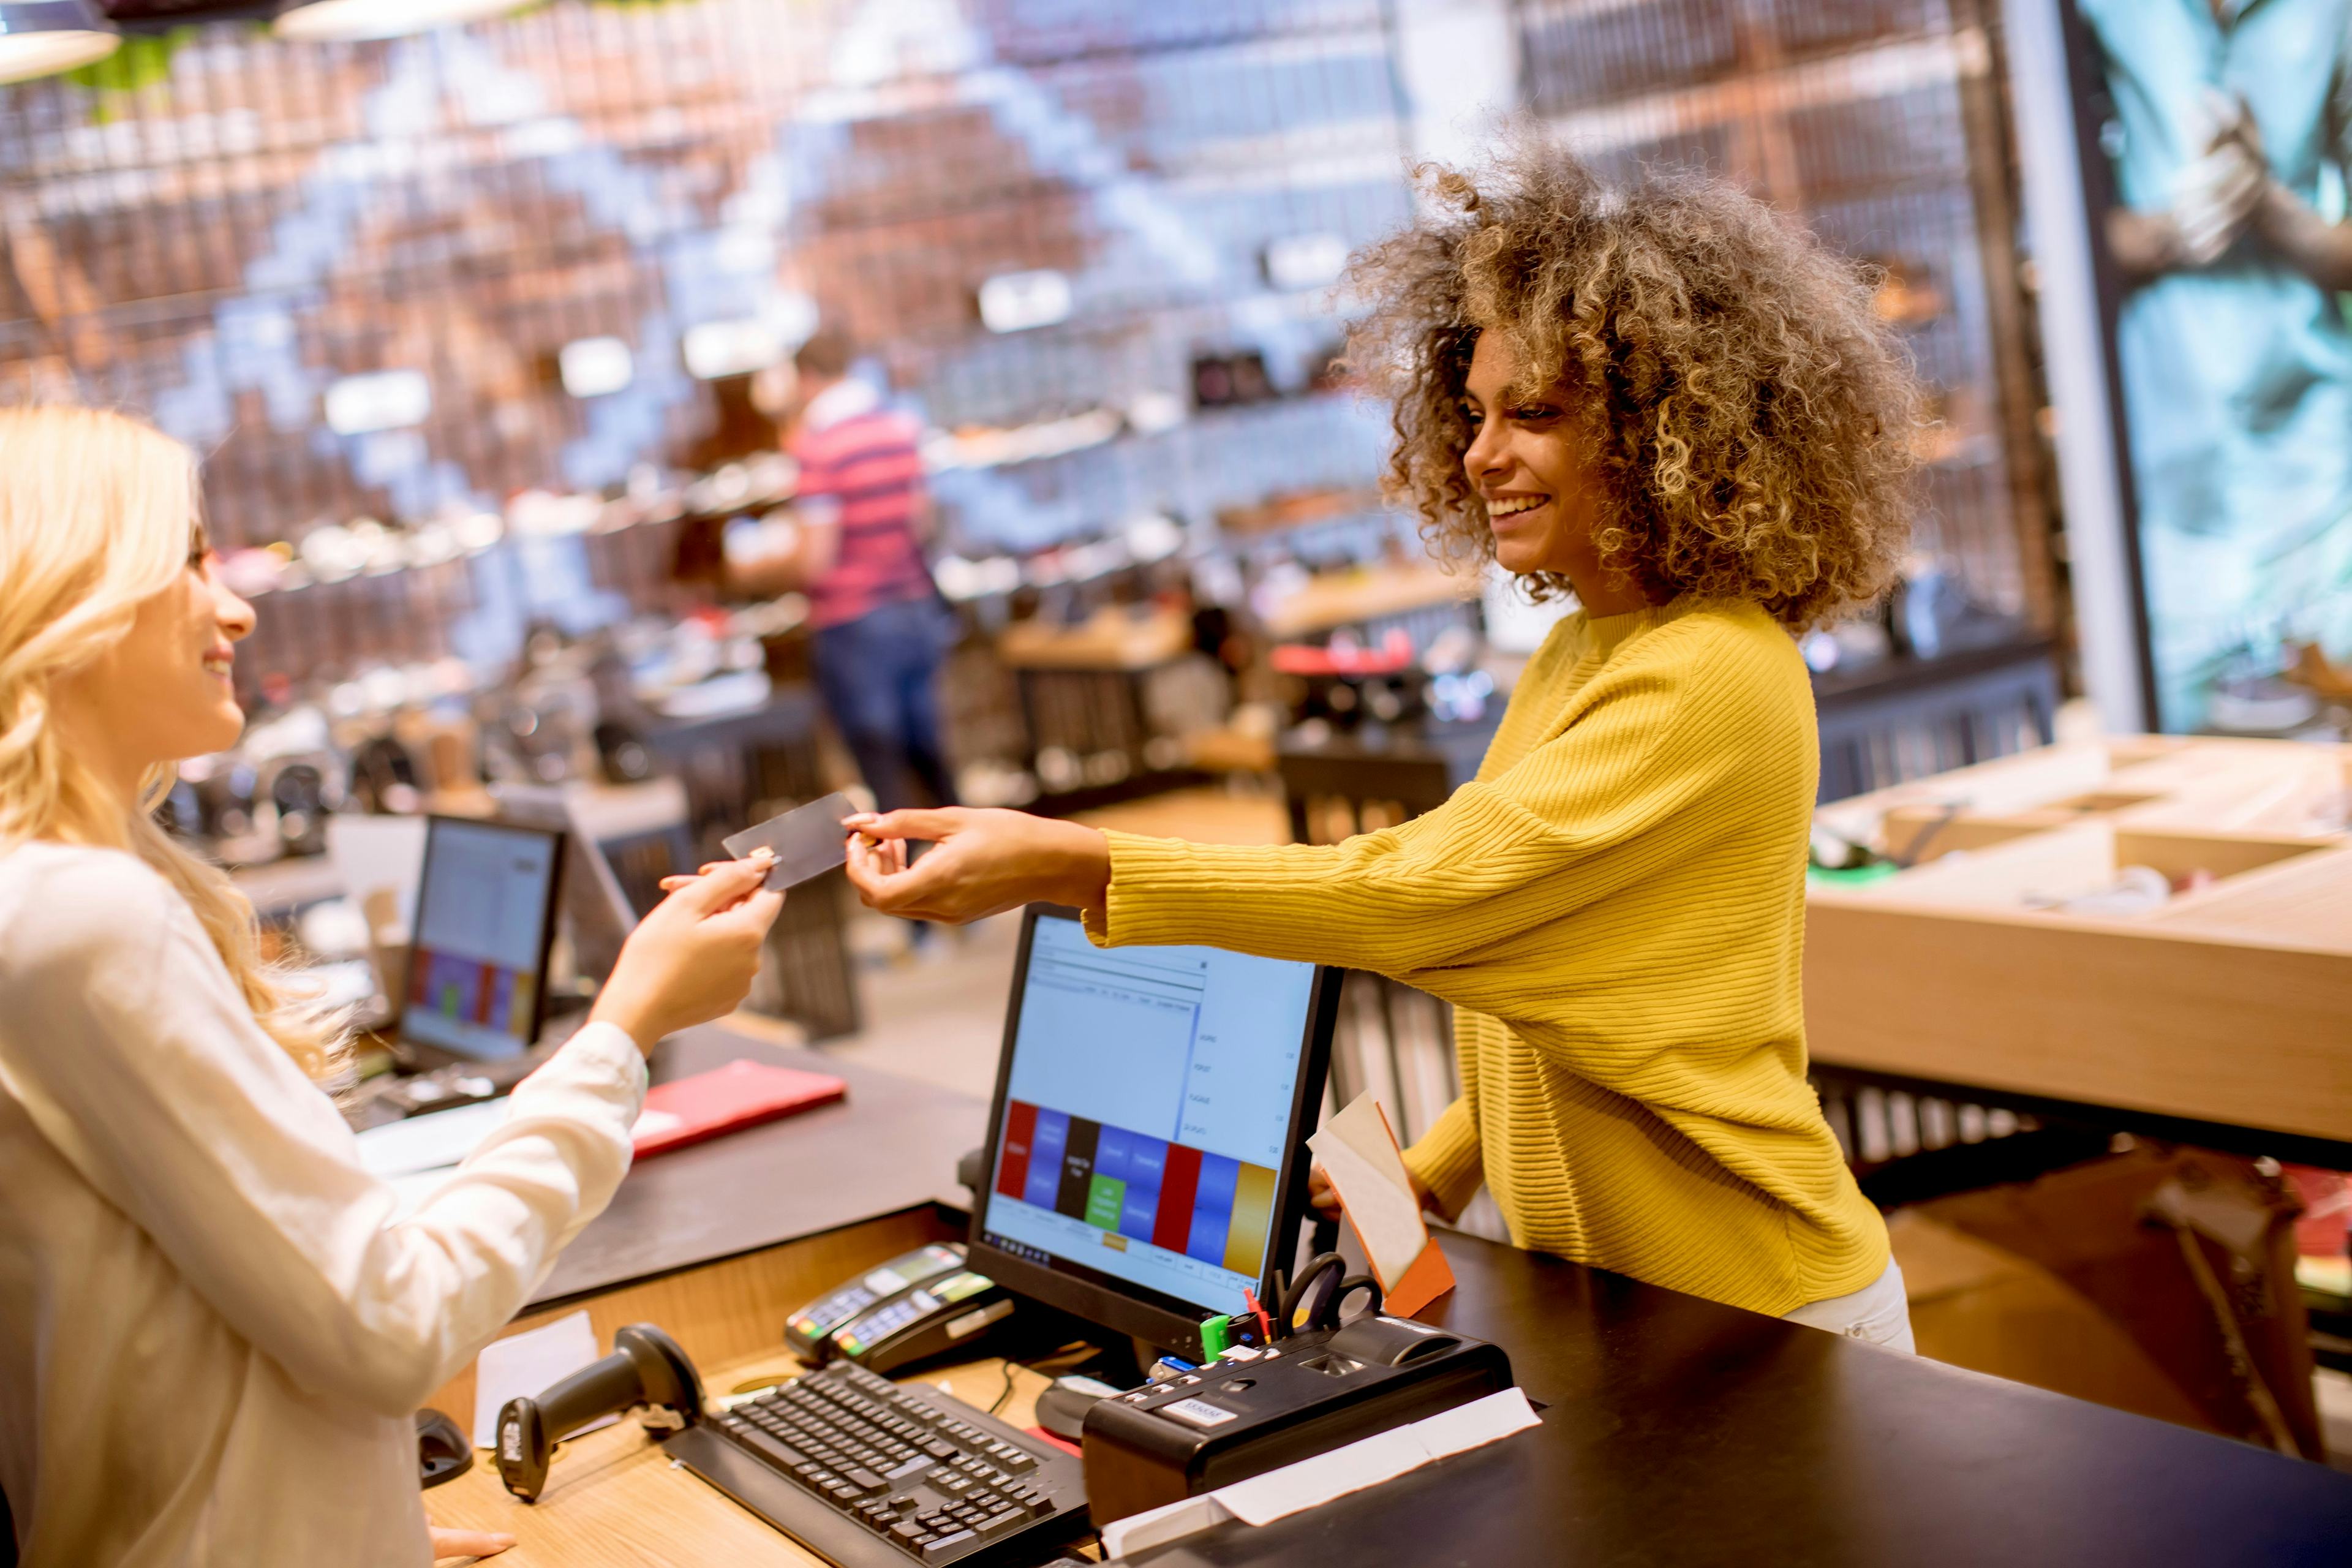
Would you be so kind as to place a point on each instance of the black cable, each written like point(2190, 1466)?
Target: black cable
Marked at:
point(1005, 1398)
point(1909, 855)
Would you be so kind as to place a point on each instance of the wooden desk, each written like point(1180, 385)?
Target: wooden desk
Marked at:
point(718, 1242)
point(614, 1501)
point(612, 1496)
point(1677, 1431)
point(2218, 1018)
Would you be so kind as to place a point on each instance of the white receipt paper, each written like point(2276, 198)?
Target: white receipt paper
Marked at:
point(1310, 1483)
point(1360, 1155)
point(524, 1364)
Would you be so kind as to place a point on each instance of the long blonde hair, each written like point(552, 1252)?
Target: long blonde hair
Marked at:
point(96, 514)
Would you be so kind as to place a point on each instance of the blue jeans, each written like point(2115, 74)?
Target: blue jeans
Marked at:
point(876, 675)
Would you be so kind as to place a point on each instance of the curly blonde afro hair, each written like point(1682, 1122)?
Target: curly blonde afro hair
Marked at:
point(1753, 423)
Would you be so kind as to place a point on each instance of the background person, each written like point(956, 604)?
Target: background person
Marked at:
point(861, 513)
point(1674, 403)
point(214, 1326)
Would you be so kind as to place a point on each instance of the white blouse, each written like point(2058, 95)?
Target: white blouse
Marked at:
point(213, 1331)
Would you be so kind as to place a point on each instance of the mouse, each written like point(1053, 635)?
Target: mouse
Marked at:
point(443, 1452)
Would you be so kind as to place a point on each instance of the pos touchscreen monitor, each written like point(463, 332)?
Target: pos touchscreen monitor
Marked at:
point(1147, 1160)
point(485, 924)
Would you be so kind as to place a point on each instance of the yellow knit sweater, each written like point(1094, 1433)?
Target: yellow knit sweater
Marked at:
point(1615, 907)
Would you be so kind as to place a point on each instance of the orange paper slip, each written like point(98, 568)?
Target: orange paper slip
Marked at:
point(1358, 1152)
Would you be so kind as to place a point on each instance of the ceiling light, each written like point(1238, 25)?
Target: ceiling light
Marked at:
point(41, 37)
point(716, 350)
point(595, 367)
point(1016, 302)
point(1306, 260)
point(379, 400)
point(328, 21)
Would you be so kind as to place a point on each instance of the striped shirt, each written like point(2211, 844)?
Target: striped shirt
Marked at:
point(860, 464)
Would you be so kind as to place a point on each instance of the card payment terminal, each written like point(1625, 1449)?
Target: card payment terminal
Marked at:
point(927, 1320)
point(810, 1332)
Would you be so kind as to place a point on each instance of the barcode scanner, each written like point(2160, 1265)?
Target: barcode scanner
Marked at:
point(646, 1369)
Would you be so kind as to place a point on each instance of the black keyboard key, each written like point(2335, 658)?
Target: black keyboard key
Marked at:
point(776, 1452)
point(939, 1482)
point(948, 1546)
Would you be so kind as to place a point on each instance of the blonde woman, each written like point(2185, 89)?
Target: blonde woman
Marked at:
point(213, 1328)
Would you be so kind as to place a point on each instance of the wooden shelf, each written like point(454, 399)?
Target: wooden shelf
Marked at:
point(1112, 639)
point(1336, 599)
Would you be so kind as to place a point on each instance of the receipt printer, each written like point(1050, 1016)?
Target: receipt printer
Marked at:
point(1256, 1409)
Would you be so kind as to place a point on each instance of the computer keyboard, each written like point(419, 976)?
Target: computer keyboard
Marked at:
point(863, 1470)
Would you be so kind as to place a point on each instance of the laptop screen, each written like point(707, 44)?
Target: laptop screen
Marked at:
point(478, 956)
point(1148, 1110)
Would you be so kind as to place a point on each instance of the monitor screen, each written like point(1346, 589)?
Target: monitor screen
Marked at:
point(478, 956)
point(1148, 1111)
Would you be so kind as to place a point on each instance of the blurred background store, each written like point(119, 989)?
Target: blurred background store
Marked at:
point(484, 316)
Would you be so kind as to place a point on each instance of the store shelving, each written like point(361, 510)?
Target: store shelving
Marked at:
point(1878, 123)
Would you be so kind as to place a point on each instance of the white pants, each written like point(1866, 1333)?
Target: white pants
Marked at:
point(1878, 1313)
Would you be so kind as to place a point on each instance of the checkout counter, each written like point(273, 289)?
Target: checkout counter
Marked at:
point(1674, 1430)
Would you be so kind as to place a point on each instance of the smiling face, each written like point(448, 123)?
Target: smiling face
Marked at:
point(1526, 462)
point(163, 693)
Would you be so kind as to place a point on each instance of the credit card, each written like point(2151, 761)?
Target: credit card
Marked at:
point(808, 840)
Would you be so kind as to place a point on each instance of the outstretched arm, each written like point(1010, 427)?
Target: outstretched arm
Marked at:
point(125, 1040)
point(1424, 901)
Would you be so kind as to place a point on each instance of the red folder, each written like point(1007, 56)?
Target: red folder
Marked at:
point(741, 1094)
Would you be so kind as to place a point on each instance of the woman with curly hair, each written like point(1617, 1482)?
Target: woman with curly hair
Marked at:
point(1673, 404)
